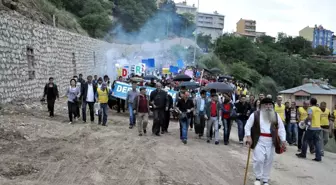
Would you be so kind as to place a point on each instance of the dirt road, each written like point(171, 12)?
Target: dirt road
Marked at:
point(37, 150)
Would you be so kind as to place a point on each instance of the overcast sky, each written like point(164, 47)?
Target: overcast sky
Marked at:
point(273, 16)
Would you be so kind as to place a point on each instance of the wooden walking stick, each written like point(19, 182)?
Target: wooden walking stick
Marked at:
point(247, 164)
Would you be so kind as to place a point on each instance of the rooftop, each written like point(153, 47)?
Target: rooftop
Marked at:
point(185, 6)
point(213, 14)
point(248, 20)
point(316, 87)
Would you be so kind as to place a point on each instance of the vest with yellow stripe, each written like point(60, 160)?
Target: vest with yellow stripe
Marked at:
point(325, 118)
point(316, 117)
point(303, 114)
point(280, 110)
point(102, 95)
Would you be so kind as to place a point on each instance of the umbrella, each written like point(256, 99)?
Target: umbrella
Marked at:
point(189, 85)
point(215, 70)
point(150, 77)
point(137, 79)
point(219, 87)
point(221, 78)
point(182, 77)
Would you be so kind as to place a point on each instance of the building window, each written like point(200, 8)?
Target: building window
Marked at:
point(94, 59)
point(74, 64)
point(31, 63)
point(302, 98)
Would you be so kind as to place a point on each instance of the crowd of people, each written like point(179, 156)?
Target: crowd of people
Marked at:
point(257, 118)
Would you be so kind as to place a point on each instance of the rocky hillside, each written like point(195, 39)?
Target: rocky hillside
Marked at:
point(43, 11)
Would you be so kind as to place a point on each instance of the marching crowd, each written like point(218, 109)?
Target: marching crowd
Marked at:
point(266, 126)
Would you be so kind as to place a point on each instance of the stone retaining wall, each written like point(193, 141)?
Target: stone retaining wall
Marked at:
point(29, 47)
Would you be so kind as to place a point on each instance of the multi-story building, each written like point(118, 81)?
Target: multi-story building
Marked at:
point(182, 8)
point(334, 45)
point(246, 27)
point(318, 35)
point(207, 23)
point(210, 24)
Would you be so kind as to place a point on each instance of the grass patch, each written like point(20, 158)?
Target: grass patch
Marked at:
point(43, 11)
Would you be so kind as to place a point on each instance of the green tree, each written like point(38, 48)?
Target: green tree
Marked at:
point(323, 50)
point(204, 41)
point(91, 7)
point(96, 24)
point(58, 3)
point(212, 61)
point(187, 24)
point(133, 14)
point(249, 61)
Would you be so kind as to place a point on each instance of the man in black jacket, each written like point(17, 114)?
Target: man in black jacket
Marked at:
point(158, 99)
point(243, 110)
point(80, 79)
point(88, 93)
point(51, 91)
point(167, 113)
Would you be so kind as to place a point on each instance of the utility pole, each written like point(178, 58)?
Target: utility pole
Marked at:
point(167, 11)
point(196, 34)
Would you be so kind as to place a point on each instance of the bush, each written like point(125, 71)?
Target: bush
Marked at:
point(212, 61)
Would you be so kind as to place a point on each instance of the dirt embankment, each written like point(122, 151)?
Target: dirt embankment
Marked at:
point(38, 150)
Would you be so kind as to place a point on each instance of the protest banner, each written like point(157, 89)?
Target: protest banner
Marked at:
point(120, 90)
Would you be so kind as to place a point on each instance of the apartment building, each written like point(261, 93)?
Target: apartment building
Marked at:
point(318, 35)
point(334, 45)
point(246, 27)
point(207, 23)
point(182, 8)
point(210, 24)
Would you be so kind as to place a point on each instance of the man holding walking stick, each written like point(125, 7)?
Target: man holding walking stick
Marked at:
point(266, 134)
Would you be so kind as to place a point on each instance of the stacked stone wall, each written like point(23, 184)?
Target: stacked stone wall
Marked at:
point(55, 53)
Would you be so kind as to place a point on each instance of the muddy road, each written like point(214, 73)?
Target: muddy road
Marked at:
point(38, 150)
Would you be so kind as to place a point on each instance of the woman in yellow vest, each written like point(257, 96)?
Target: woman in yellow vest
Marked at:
point(103, 94)
point(325, 125)
point(313, 132)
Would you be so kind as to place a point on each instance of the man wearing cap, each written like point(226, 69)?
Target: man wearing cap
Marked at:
point(141, 110)
point(259, 137)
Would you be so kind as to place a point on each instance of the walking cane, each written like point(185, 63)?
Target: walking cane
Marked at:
point(247, 164)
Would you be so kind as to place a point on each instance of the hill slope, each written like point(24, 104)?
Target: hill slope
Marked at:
point(43, 11)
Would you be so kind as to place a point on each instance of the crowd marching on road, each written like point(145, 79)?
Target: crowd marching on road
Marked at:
point(264, 125)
